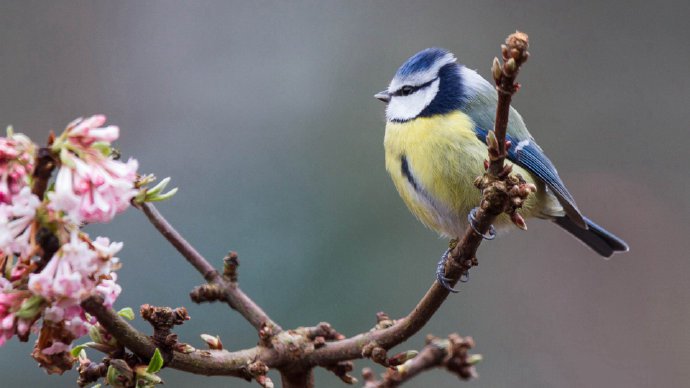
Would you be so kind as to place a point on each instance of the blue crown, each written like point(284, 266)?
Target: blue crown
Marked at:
point(421, 61)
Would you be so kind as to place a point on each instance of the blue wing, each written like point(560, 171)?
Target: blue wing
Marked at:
point(528, 155)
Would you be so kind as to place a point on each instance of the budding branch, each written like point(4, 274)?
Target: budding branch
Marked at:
point(314, 346)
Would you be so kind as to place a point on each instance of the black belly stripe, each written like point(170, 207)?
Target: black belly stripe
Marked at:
point(406, 172)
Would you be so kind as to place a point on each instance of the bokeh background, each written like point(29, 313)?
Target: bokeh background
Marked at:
point(262, 113)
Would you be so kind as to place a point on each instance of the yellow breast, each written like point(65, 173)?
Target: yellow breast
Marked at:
point(433, 163)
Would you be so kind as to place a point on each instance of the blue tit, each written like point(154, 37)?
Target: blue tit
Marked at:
point(438, 113)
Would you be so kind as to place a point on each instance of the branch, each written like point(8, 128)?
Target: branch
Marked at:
point(452, 354)
point(45, 164)
point(232, 294)
point(295, 353)
point(203, 362)
point(514, 54)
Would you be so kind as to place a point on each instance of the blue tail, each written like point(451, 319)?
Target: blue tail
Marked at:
point(595, 237)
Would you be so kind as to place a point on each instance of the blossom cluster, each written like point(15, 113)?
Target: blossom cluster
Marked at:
point(42, 284)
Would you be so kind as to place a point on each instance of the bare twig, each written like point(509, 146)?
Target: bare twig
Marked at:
point(514, 54)
point(234, 296)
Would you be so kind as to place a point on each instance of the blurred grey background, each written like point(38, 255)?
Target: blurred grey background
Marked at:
point(263, 115)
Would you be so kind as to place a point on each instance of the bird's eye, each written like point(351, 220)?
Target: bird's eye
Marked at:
point(406, 90)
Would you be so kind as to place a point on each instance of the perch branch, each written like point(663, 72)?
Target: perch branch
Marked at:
point(495, 200)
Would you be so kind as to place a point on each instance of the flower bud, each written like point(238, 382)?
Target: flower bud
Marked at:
point(402, 358)
point(212, 342)
point(496, 69)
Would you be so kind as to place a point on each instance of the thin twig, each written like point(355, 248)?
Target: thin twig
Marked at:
point(233, 295)
point(514, 54)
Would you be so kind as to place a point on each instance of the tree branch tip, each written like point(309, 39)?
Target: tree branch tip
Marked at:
point(452, 353)
point(518, 40)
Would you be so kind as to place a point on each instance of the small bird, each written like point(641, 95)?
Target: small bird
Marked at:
point(438, 115)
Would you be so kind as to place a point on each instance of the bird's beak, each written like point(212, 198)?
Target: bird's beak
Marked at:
point(383, 96)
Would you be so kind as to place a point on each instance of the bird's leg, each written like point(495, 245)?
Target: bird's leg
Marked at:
point(473, 223)
point(441, 268)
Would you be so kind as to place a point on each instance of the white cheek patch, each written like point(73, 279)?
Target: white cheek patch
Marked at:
point(402, 108)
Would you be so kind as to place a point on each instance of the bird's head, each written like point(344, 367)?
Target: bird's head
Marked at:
point(427, 84)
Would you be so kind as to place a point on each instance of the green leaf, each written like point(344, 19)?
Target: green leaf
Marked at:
point(159, 187)
point(146, 379)
point(126, 313)
point(87, 345)
point(77, 349)
point(156, 362)
point(161, 197)
point(95, 334)
point(111, 376)
point(30, 307)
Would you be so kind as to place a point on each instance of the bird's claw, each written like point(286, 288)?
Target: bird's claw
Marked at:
point(473, 223)
point(441, 273)
point(465, 277)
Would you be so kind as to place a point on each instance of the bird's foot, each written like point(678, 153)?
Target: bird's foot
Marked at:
point(473, 223)
point(441, 273)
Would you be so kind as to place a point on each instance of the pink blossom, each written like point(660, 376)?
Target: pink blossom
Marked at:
point(85, 132)
point(70, 314)
point(75, 272)
point(15, 221)
point(109, 290)
point(10, 302)
point(91, 186)
point(16, 165)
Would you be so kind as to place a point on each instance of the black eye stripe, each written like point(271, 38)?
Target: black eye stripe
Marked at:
point(413, 89)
